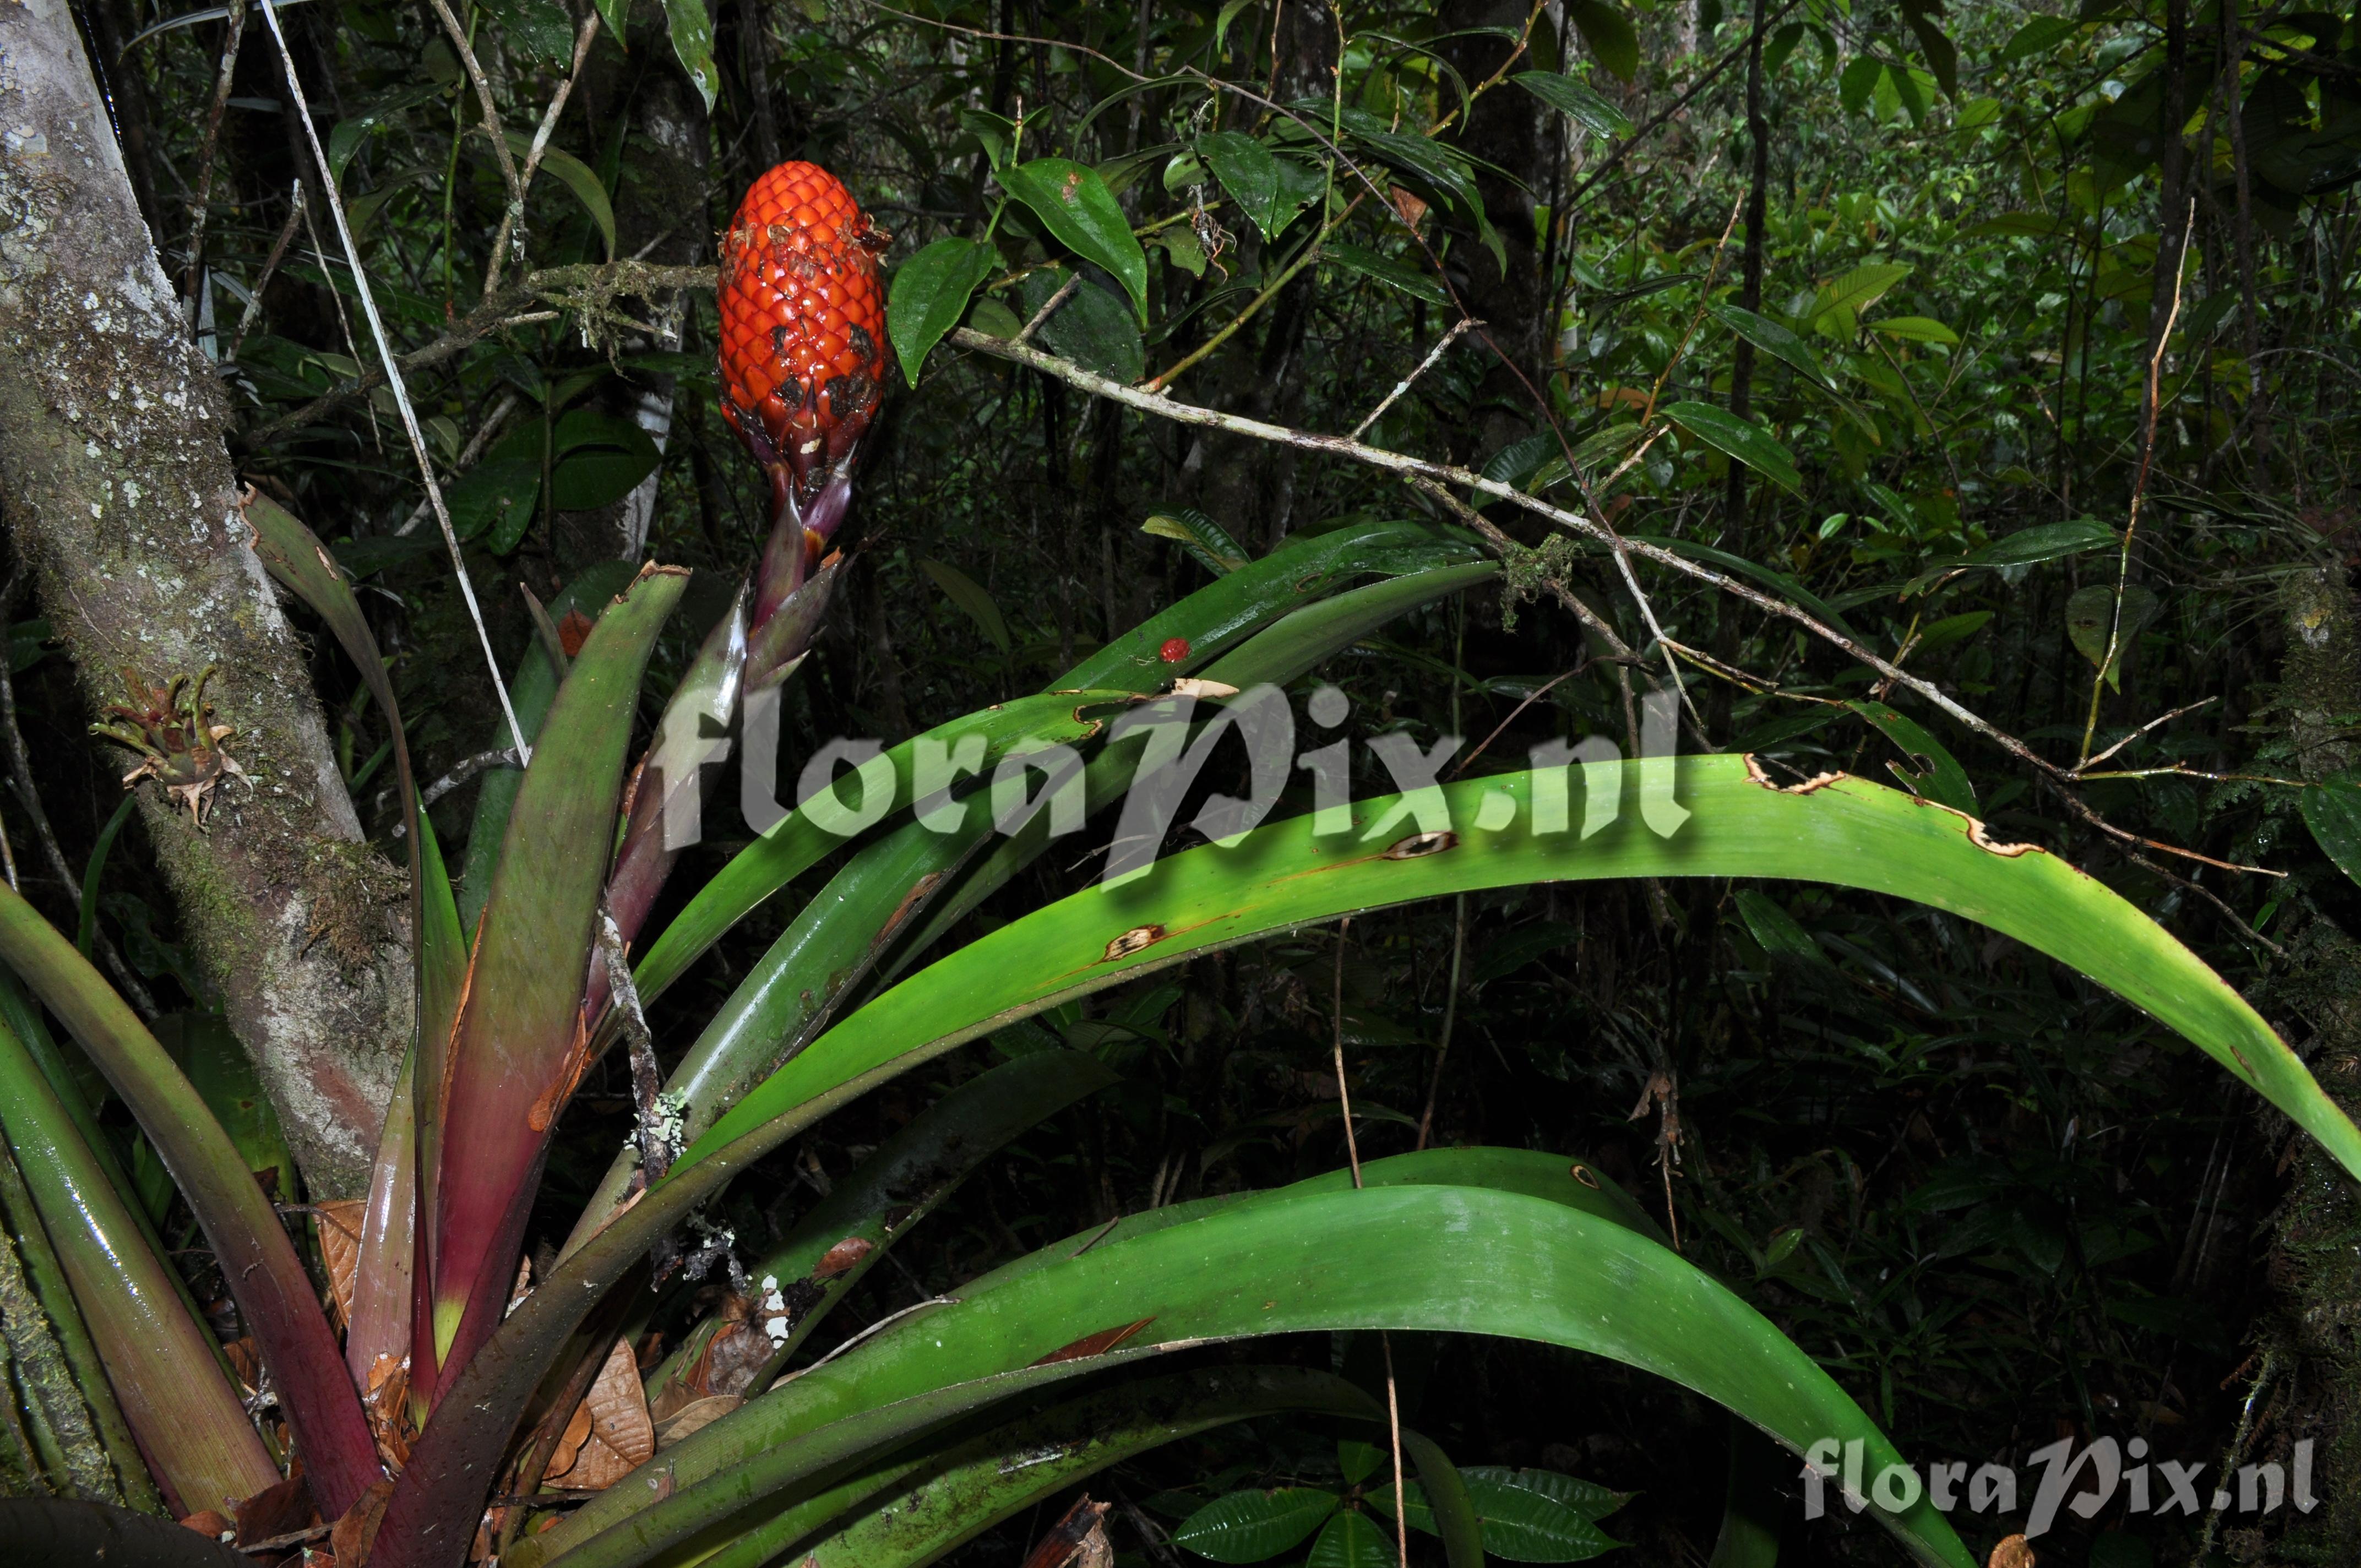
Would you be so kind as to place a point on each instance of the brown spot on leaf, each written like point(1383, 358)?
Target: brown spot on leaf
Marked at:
point(1137, 940)
point(1582, 1173)
point(1422, 844)
point(573, 631)
point(1098, 1343)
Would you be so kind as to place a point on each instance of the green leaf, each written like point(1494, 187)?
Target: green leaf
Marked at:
point(691, 29)
point(617, 15)
point(1092, 328)
point(600, 459)
point(1859, 289)
point(908, 1175)
point(1358, 1459)
point(541, 29)
point(1350, 1540)
point(512, 1043)
point(969, 595)
point(2041, 34)
point(1247, 1527)
point(1859, 79)
point(1527, 1520)
point(1942, 55)
point(499, 494)
point(142, 1342)
point(265, 1276)
point(1915, 329)
point(224, 1079)
point(1201, 536)
point(1576, 100)
point(1740, 438)
point(2047, 542)
point(1450, 1510)
point(2332, 812)
point(578, 177)
point(1075, 204)
point(1613, 41)
point(1385, 269)
point(347, 138)
point(1249, 172)
point(930, 293)
point(2093, 624)
point(1935, 773)
point(1773, 339)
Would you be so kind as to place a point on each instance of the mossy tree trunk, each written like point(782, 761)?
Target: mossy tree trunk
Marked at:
point(119, 495)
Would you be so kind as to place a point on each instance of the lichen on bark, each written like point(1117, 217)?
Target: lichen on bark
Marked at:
point(118, 493)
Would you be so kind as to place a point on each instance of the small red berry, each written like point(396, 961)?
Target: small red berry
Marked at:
point(1175, 649)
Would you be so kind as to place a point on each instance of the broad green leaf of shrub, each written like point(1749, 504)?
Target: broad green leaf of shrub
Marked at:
point(1936, 774)
point(1092, 328)
point(691, 27)
point(1351, 1541)
point(1074, 203)
point(1917, 329)
point(970, 596)
point(1741, 439)
point(930, 294)
point(1613, 41)
point(1247, 1527)
point(2091, 623)
point(1576, 101)
point(578, 177)
point(2332, 812)
point(1386, 270)
point(491, 494)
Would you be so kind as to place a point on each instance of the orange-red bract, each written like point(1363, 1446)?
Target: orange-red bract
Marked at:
point(803, 324)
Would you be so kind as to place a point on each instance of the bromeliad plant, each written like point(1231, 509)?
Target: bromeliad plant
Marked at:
point(448, 1388)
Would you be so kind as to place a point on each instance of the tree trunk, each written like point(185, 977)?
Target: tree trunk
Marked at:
point(120, 494)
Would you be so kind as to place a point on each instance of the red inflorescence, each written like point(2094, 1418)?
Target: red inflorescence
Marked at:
point(803, 323)
point(1175, 649)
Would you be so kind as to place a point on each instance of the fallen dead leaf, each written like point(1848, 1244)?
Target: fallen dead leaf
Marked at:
point(339, 1223)
point(1078, 1541)
point(843, 1257)
point(610, 1434)
point(2012, 1552)
point(694, 1415)
point(208, 1521)
point(274, 1511)
point(357, 1532)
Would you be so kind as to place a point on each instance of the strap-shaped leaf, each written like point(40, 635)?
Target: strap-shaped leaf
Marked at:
point(257, 1259)
point(911, 1173)
point(159, 1361)
point(518, 1041)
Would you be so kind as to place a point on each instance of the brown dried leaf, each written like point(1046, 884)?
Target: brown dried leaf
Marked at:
point(1078, 1541)
point(275, 1511)
point(573, 631)
point(2012, 1552)
point(357, 1532)
point(1098, 1343)
point(694, 1415)
point(386, 1404)
point(843, 1257)
point(210, 1522)
point(339, 1226)
point(610, 1434)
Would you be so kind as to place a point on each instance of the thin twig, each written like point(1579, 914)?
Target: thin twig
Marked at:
point(1730, 57)
point(269, 270)
point(466, 769)
point(1450, 1010)
point(513, 216)
point(1049, 307)
point(1459, 329)
point(1304, 257)
point(1345, 1095)
point(2083, 768)
point(199, 198)
point(1417, 468)
point(2139, 491)
point(393, 378)
point(493, 129)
